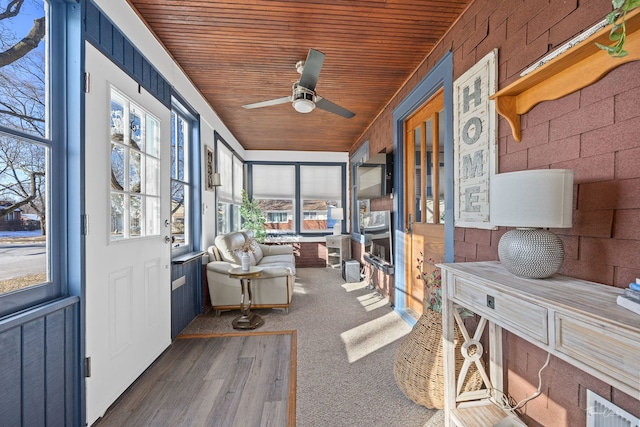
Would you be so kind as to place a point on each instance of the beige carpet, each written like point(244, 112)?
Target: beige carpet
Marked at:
point(347, 339)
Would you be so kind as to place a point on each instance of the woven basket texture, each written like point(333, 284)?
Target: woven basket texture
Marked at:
point(418, 366)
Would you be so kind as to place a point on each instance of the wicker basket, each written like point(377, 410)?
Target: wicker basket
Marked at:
point(418, 366)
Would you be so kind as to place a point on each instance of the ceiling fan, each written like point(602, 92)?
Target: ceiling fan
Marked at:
point(303, 92)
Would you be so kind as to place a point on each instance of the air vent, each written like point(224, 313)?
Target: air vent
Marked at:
point(602, 413)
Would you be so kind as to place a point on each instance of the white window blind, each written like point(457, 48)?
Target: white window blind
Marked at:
point(321, 182)
point(274, 181)
point(225, 168)
point(238, 180)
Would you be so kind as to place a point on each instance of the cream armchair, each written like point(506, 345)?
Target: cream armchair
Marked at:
point(273, 289)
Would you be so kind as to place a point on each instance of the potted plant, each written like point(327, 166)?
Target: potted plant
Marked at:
point(253, 218)
point(249, 246)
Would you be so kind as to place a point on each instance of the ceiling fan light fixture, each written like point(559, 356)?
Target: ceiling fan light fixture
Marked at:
point(303, 105)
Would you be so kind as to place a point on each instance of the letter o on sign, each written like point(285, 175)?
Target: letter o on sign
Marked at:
point(477, 124)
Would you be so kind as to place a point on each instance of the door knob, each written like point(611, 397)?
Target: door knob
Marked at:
point(167, 239)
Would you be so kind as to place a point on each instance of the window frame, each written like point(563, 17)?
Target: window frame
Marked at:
point(192, 217)
point(297, 199)
point(65, 222)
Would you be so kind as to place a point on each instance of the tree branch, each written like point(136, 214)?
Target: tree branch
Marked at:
point(25, 45)
point(12, 9)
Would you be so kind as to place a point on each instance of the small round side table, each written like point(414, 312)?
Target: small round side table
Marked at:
point(247, 320)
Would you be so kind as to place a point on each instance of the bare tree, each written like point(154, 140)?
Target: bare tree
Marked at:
point(22, 108)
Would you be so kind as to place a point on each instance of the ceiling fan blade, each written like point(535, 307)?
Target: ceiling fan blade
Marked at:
point(311, 70)
point(329, 106)
point(268, 103)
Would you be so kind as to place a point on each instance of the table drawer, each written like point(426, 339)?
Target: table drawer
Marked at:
point(520, 316)
point(611, 352)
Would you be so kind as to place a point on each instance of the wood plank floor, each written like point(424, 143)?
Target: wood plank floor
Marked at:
point(244, 380)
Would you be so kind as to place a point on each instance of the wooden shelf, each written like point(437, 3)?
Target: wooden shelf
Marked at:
point(578, 67)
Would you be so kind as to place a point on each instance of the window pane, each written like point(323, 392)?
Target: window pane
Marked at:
point(152, 177)
point(136, 216)
point(153, 136)
point(180, 179)
point(23, 81)
point(224, 218)
point(135, 121)
point(23, 214)
point(279, 213)
point(117, 118)
point(117, 216)
point(315, 215)
point(153, 215)
point(117, 167)
point(134, 172)
point(177, 212)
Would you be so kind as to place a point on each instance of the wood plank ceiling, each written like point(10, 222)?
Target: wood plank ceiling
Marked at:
point(241, 52)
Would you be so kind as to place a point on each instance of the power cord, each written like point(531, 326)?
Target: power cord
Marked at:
point(504, 399)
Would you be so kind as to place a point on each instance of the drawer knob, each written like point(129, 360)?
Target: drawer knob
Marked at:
point(491, 303)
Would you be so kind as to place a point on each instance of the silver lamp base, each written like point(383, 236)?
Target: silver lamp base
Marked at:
point(531, 252)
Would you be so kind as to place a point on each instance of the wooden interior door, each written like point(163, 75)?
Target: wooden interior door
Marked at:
point(424, 196)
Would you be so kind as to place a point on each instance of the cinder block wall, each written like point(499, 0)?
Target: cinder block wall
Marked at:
point(595, 132)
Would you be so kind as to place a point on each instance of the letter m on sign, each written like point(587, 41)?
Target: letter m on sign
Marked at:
point(472, 167)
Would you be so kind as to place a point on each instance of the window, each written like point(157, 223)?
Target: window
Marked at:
point(231, 169)
point(321, 189)
point(274, 189)
point(305, 207)
point(181, 177)
point(278, 217)
point(32, 147)
point(135, 170)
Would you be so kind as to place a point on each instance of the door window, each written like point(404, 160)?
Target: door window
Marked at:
point(135, 170)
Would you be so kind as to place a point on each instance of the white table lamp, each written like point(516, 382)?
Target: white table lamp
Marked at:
point(532, 200)
point(337, 214)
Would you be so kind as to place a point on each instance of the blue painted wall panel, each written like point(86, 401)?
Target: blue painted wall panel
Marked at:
point(10, 372)
point(92, 24)
point(185, 301)
point(39, 372)
point(33, 379)
point(106, 35)
point(108, 38)
point(55, 351)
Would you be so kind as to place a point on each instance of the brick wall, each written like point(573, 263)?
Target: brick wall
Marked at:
point(595, 132)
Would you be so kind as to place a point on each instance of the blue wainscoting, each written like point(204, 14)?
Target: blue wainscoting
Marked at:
point(186, 294)
point(40, 367)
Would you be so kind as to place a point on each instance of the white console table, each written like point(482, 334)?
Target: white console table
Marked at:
point(574, 320)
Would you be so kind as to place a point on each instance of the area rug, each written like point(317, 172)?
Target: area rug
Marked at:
point(347, 337)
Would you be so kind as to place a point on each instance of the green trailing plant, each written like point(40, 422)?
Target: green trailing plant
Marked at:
point(253, 218)
point(617, 20)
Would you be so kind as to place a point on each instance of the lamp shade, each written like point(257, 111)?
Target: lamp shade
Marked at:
point(337, 213)
point(541, 198)
point(215, 180)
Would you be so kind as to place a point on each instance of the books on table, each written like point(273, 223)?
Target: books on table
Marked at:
point(628, 303)
point(631, 298)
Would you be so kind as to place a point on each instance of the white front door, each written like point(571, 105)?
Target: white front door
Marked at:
point(128, 289)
